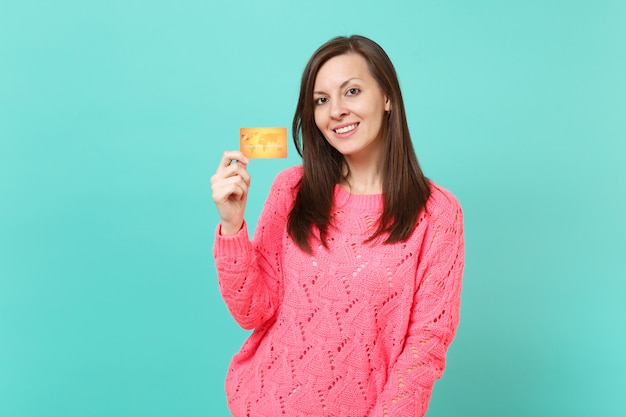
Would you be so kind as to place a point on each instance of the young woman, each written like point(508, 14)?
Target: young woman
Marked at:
point(352, 280)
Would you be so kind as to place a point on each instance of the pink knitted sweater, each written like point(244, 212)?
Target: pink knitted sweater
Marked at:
point(357, 329)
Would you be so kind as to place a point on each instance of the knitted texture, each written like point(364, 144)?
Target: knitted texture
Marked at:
point(354, 329)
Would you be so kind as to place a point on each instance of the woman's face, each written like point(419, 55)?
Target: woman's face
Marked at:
point(350, 107)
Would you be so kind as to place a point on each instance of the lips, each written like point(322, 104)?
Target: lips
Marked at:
point(346, 128)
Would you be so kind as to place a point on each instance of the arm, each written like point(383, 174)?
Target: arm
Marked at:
point(249, 272)
point(434, 315)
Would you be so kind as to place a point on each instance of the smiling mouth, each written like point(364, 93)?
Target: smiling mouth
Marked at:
point(346, 129)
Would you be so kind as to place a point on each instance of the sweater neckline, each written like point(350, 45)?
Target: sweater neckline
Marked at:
point(344, 198)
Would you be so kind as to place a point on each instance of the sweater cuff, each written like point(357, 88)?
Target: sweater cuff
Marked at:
point(231, 245)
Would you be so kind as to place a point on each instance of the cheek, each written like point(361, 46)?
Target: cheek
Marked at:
point(319, 118)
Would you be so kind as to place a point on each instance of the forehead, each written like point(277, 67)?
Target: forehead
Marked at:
point(340, 68)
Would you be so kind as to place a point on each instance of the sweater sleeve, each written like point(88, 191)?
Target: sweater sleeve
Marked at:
point(249, 272)
point(434, 314)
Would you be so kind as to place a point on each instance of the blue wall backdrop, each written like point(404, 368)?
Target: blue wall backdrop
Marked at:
point(114, 114)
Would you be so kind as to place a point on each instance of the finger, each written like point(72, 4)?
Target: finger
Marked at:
point(237, 169)
point(231, 187)
point(226, 194)
point(242, 172)
point(229, 156)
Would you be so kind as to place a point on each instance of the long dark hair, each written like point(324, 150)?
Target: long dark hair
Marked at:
point(405, 188)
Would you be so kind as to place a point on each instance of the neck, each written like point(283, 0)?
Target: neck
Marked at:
point(362, 178)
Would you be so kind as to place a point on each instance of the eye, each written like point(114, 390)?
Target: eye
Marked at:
point(321, 100)
point(353, 91)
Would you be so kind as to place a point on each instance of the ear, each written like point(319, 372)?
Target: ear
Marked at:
point(387, 104)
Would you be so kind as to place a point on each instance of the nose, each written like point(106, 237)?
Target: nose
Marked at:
point(337, 109)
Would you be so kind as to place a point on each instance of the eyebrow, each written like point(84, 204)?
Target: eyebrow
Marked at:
point(342, 86)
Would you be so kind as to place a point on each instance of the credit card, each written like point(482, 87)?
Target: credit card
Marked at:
point(263, 142)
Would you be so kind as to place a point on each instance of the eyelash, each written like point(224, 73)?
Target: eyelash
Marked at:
point(350, 91)
point(318, 101)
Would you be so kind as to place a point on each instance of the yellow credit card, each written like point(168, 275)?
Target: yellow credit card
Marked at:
point(263, 142)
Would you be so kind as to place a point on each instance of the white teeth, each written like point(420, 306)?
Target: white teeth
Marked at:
point(346, 129)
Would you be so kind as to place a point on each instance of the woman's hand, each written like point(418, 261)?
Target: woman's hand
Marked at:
point(230, 190)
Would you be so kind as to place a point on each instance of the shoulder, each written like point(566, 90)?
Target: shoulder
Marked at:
point(442, 203)
point(289, 177)
point(286, 183)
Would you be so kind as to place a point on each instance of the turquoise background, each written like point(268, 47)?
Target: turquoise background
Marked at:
point(114, 115)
